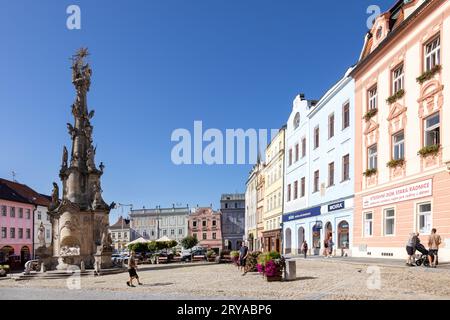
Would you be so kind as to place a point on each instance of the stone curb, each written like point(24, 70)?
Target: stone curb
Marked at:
point(366, 263)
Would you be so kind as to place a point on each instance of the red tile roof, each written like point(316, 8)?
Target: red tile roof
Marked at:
point(27, 193)
point(121, 223)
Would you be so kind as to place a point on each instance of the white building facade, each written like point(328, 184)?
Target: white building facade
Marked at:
point(153, 224)
point(41, 217)
point(319, 174)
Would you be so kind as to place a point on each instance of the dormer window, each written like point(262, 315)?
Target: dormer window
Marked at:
point(379, 32)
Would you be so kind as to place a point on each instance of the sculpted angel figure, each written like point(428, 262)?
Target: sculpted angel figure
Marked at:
point(55, 194)
point(65, 157)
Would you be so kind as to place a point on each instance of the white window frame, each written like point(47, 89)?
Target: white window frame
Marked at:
point(344, 178)
point(372, 98)
point(346, 106)
point(417, 214)
point(398, 79)
point(316, 188)
point(331, 125)
point(426, 129)
point(316, 137)
point(432, 52)
point(365, 234)
point(398, 144)
point(304, 147)
point(372, 158)
point(385, 218)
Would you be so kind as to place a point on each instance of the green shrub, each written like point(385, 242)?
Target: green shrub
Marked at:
point(370, 114)
point(234, 254)
point(394, 163)
point(370, 172)
point(252, 261)
point(429, 150)
point(398, 95)
point(189, 242)
point(428, 74)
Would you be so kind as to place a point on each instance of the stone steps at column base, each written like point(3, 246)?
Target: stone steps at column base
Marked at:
point(58, 274)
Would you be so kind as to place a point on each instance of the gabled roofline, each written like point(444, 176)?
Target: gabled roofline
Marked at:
point(362, 63)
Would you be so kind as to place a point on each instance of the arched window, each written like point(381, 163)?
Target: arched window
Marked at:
point(301, 238)
point(288, 241)
point(297, 120)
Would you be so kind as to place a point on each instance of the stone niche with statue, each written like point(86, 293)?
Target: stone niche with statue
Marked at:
point(80, 216)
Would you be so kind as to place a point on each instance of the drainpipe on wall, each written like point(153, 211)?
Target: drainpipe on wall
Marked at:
point(32, 234)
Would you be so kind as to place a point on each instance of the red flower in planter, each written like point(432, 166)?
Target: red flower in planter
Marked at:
point(271, 268)
point(260, 268)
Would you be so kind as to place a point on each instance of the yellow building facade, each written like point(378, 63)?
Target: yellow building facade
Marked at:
point(273, 194)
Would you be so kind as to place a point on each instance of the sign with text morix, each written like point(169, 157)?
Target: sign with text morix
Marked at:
point(409, 192)
point(336, 206)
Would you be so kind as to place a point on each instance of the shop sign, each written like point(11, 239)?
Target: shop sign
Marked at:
point(409, 192)
point(311, 212)
point(336, 206)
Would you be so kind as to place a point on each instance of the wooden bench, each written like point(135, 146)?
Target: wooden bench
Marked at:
point(226, 259)
point(162, 260)
point(176, 259)
point(198, 258)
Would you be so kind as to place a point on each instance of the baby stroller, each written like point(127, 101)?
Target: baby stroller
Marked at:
point(423, 259)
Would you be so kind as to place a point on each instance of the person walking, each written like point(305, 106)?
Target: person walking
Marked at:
point(330, 246)
point(304, 248)
point(434, 240)
point(132, 266)
point(243, 253)
point(325, 248)
point(411, 248)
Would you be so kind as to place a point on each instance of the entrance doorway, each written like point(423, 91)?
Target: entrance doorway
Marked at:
point(316, 238)
point(5, 252)
point(24, 255)
point(328, 230)
point(288, 238)
point(343, 235)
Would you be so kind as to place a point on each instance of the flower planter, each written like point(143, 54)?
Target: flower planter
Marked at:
point(278, 277)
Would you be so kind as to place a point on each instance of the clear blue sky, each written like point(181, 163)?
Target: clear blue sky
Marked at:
point(159, 65)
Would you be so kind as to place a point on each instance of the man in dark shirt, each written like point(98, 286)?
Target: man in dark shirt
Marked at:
point(243, 253)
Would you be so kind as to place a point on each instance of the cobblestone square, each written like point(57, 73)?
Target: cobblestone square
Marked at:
point(317, 279)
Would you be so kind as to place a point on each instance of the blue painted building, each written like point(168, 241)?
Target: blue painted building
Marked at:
point(319, 174)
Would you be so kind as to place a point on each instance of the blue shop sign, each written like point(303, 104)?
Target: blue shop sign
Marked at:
point(311, 212)
point(336, 206)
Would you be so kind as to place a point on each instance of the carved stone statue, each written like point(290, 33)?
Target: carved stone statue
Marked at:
point(65, 158)
point(98, 202)
point(72, 131)
point(90, 158)
point(88, 133)
point(41, 235)
point(55, 196)
point(67, 251)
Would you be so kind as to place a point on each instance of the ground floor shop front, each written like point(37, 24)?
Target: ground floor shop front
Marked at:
point(385, 218)
point(316, 224)
point(15, 255)
point(272, 240)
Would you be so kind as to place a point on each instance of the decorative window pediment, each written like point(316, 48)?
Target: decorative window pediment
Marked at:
point(371, 126)
point(396, 110)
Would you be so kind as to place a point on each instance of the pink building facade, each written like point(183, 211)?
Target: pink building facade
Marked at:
point(206, 225)
point(402, 134)
point(16, 226)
